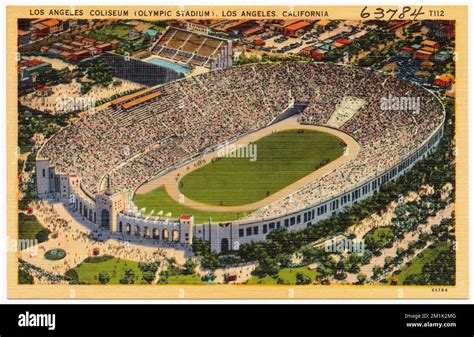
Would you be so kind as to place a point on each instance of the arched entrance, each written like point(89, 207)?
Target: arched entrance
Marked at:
point(156, 234)
point(105, 218)
point(224, 245)
point(136, 230)
point(147, 232)
point(175, 235)
point(165, 235)
point(128, 228)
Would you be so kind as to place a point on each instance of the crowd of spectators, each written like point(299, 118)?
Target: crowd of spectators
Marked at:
point(201, 112)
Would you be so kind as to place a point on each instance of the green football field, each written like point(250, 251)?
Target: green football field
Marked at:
point(281, 159)
point(283, 156)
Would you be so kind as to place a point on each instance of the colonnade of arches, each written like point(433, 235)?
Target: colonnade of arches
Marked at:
point(89, 213)
point(146, 232)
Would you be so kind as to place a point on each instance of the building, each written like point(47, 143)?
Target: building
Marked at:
point(87, 41)
point(259, 43)
point(31, 68)
point(39, 31)
point(442, 56)
point(24, 36)
point(441, 29)
point(101, 48)
point(237, 27)
point(150, 34)
point(422, 55)
point(427, 64)
point(297, 29)
point(306, 51)
point(430, 45)
point(252, 31)
point(43, 91)
point(109, 209)
point(343, 41)
point(444, 80)
point(444, 33)
point(54, 25)
point(318, 54)
point(196, 27)
point(406, 52)
point(79, 55)
point(137, 31)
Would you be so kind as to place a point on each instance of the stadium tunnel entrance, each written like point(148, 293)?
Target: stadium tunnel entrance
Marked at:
point(297, 108)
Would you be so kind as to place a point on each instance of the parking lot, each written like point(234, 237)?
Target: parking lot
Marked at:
point(275, 42)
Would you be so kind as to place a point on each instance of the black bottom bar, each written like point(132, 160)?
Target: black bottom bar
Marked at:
point(237, 320)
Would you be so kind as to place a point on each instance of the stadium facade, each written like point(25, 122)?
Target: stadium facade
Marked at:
point(410, 138)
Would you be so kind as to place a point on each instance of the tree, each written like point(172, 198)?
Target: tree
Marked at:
point(201, 247)
point(361, 278)
point(366, 257)
point(72, 276)
point(148, 276)
point(377, 271)
point(100, 72)
point(302, 278)
point(388, 261)
point(188, 267)
point(43, 235)
point(323, 274)
point(104, 278)
point(129, 277)
point(210, 262)
point(85, 88)
point(24, 277)
point(266, 267)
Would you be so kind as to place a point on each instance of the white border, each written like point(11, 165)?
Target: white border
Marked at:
point(3, 154)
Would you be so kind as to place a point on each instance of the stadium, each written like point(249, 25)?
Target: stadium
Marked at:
point(345, 130)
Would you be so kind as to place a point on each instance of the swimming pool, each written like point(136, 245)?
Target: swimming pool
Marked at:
point(169, 65)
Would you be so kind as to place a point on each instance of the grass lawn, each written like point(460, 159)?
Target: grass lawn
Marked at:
point(159, 200)
point(88, 272)
point(379, 234)
point(29, 228)
point(109, 33)
point(282, 158)
point(288, 275)
point(184, 279)
point(417, 263)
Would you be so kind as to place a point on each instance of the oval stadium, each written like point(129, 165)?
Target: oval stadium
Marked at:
point(355, 130)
